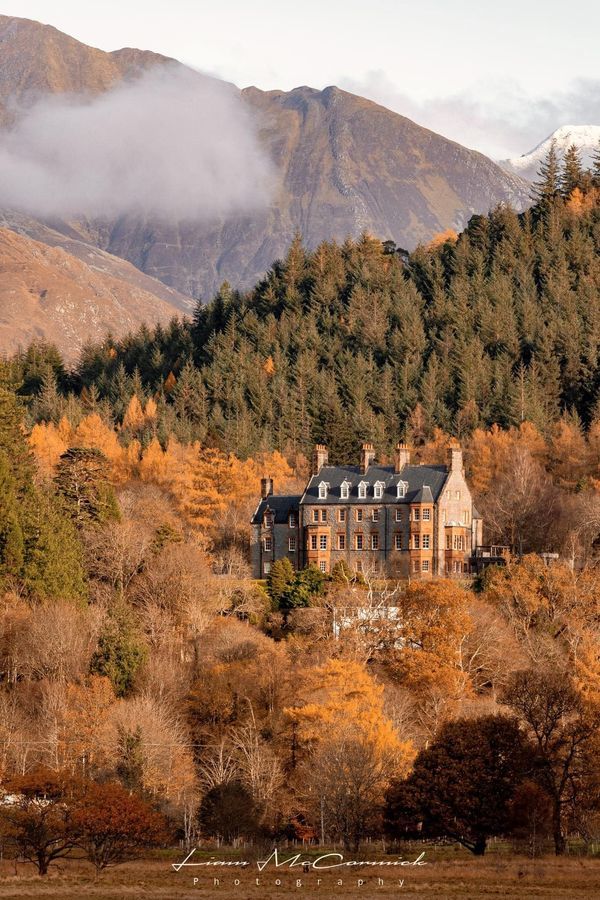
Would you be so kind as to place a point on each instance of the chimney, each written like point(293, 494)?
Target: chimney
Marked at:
point(455, 457)
point(401, 457)
point(320, 458)
point(367, 456)
point(266, 487)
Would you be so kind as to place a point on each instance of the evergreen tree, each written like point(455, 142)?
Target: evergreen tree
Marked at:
point(82, 480)
point(572, 171)
point(547, 187)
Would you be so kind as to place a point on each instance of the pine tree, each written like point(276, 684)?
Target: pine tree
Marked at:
point(82, 479)
point(572, 171)
point(547, 187)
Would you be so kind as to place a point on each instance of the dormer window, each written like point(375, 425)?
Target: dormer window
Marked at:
point(378, 490)
point(401, 489)
point(362, 490)
point(323, 490)
point(345, 490)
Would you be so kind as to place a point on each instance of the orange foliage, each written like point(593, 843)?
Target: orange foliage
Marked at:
point(443, 237)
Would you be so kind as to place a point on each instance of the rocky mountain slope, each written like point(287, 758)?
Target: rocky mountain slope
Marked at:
point(47, 293)
point(585, 137)
point(341, 165)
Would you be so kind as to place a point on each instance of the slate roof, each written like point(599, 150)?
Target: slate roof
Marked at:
point(424, 483)
point(280, 506)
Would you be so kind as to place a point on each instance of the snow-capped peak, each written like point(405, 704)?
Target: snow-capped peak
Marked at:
point(585, 137)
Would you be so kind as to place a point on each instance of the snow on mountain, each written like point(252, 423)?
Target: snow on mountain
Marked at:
point(585, 137)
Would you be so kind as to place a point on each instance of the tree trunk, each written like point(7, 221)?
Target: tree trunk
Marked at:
point(560, 844)
point(479, 846)
point(42, 864)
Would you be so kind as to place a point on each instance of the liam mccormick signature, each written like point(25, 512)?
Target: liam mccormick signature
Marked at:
point(325, 861)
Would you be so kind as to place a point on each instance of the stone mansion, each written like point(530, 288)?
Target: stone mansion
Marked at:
point(400, 520)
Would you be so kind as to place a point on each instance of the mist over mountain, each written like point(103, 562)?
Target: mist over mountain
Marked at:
point(195, 182)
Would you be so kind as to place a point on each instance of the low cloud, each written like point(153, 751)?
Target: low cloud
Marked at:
point(173, 144)
point(501, 121)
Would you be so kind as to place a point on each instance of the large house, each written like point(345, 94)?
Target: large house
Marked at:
point(401, 520)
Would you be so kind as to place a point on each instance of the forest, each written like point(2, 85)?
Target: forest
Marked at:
point(152, 694)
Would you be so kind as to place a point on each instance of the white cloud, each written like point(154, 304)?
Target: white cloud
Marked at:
point(172, 144)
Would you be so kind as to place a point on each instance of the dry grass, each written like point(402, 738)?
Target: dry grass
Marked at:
point(462, 877)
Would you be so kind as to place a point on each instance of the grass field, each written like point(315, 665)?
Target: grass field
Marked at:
point(462, 877)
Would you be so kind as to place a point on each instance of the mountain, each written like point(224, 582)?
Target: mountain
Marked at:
point(342, 165)
point(585, 137)
point(49, 294)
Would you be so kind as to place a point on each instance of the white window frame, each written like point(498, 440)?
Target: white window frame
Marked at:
point(292, 544)
point(313, 542)
point(427, 515)
point(266, 568)
point(323, 566)
point(362, 490)
point(362, 541)
point(398, 515)
point(345, 490)
point(401, 489)
point(378, 490)
point(397, 541)
point(425, 565)
point(293, 520)
point(426, 542)
point(375, 516)
point(268, 544)
point(341, 541)
point(374, 542)
point(322, 542)
point(323, 488)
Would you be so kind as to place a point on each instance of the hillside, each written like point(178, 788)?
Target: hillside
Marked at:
point(49, 294)
point(342, 165)
point(350, 343)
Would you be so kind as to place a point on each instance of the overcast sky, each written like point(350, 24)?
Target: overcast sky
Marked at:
point(497, 76)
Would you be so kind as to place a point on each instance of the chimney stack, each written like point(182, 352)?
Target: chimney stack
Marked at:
point(320, 458)
point(367, 457)
point(455, 457)
point(401, 457)
point(266, 487)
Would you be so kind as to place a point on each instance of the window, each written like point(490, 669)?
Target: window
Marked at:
point(313, 542)
point(447, 495)
point(448, 542)
point(401, 489)
point(341, 515)
point(444, 516)
point(397, 542)
point(425, 565)
point(466, 567)
point(398, 515)
point(374, 542)
point(358, 541)
point(375, 516)
point(293, 520)
point(416, 542)
point(315, 515)
point(416, 565)
point(416, 515)
point(378, 490)
point(458, 542)
point(466, 516)
point(322, 542)
point(269, 519)
point(323, 491)
point(359, 515)
point(322, 565)
point(457, 495)
point(426, 515)
point(292, 544)
point(345, 490)
point(267, 568)
point(425, 542)
point(268, 544)
point(362, 490)
point(323, 515)
point(341, 541)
